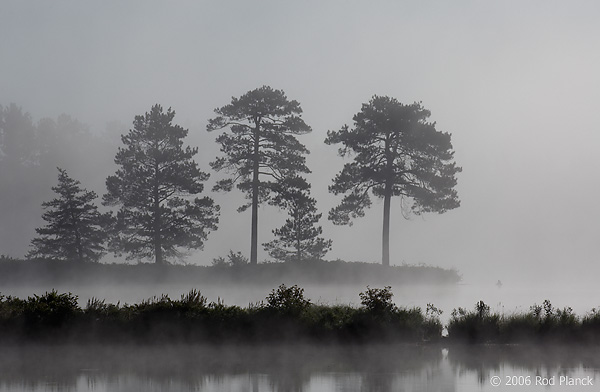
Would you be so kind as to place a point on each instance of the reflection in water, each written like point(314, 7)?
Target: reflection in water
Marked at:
point(287, 368)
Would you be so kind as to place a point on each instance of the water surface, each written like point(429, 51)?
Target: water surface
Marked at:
point(294, 368)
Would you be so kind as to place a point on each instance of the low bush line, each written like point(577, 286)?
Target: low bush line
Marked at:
point(284, 316)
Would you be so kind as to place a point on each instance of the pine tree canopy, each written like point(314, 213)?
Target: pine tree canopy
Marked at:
point(155, 186)
point(299, 238)
point(75, 231)
point(260, 147)
point(263, 124)
point(397, 152)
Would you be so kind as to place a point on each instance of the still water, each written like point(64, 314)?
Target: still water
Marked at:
point(299, 368)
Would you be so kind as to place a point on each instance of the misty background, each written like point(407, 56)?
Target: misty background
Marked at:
point(516, 84)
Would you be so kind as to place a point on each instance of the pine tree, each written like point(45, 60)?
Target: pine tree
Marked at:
point(154, 187)
point(397, 153)
point(261, 148)
point(75, 229)
point(298, 239)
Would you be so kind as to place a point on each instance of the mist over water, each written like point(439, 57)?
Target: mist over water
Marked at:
point(292, 368)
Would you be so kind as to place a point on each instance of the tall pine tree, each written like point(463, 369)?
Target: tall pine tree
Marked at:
point(76, 231)
point(159, 216)
point(299, 238)
point(261, 148)
point(397, 152)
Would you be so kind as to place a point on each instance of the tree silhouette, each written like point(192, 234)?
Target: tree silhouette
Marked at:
point(261, 143)
point(153, 186)
point(298, 239)
point(396, 153)
point(30, 152)
point(18, 138)
point(75, 229)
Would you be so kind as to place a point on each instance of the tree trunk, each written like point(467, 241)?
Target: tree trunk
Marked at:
point(158, 255)
point(255, 183)
point(298, 235)
point(387, 198)
point(78, 244)
point(385, 246)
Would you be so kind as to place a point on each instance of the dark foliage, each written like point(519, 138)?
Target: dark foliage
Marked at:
point(378, 301)
point(397, 152)
point(260, 149)
point(54, 272)
point(46, 317)
point(542, 324)
point(75, 229)
point(234, 259)
point(299, 238)
point(30, 151)
point(286, 316)
point(287, 300)
point(153, 187)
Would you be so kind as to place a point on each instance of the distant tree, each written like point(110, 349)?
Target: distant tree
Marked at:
point(153, 187)
point(397, 153)
point(18, 138)
point(57, 138)
point(30, 151)
point(75, 229)
point(261, 143)
point(298, 239)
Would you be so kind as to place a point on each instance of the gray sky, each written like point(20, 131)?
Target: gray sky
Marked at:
point(516, 84)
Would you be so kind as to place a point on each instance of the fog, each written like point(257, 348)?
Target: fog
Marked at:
point(516, 84)
point(311, 368)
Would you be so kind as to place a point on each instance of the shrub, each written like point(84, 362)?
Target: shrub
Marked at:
point(47, 314)
point(378, 301)
point(237, 259)
point(234, 259)
point(432, 326)
point(219, 262)
point(99, 308)
point(287, 300)
point(478, 326)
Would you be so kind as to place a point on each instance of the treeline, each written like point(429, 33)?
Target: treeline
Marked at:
point(53, 273)
point(158, 211)
point(30, 152)
point(284, 316)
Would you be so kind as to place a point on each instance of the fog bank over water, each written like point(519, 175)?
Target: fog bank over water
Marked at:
point(516, 85)
point(310, 369)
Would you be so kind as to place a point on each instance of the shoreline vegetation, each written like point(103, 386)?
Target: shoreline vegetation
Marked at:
point(55, 272)
point(285, 316)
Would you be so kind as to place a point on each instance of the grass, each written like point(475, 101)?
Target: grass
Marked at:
point(541, 324)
